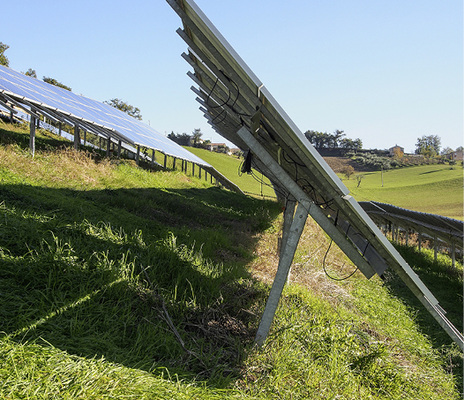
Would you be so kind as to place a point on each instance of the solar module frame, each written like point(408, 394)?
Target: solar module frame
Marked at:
point(239, 107)
point(100, 118)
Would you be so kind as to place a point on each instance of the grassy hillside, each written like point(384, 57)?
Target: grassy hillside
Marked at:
point(435, 189)
point(117, 282)
point(230, 167)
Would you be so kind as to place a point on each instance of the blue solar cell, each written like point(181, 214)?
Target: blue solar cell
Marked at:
point(134, 132)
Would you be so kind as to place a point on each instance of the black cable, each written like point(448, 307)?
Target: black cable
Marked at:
point(325, 269)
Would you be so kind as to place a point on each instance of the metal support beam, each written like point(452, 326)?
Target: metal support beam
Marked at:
point(153, 157)
point(85, 137)
point(285, 262)
point(119, 148)
point(32, 135)
point(137, 158)
point(77, 139)
point(108, 146)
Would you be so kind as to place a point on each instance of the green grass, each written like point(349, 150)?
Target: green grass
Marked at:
point(230, 167)
point(117, 282)
point(435, 189)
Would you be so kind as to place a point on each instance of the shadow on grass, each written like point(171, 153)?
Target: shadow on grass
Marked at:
point(447, 286)
point(94, 272)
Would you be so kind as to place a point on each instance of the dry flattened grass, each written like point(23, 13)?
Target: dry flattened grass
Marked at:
point(307, 267)
point(65, 166)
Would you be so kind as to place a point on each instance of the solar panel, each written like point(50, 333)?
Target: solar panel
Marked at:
point(95, 116)
point(239, 107)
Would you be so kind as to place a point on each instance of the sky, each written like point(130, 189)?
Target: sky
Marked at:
point(384, 71)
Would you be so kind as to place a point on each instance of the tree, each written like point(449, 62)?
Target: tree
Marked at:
point(3, 58)
point(196, 135)
point(182, 140)
point(446, 151)
point(428, 146)
point(54, 82)
point(31, 72)
point(123, 106)
point(348, 170)
point(336, 137)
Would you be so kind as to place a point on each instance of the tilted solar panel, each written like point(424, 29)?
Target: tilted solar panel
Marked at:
point(241, 109)
point(105, 119)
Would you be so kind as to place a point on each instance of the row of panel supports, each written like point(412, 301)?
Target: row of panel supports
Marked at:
point(35, 123)
point(407, 238)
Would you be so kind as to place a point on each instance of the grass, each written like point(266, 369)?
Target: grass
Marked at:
point(435, 189)
point(117, 282)
point(230, 167)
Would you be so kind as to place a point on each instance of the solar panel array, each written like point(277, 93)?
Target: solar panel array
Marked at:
point(96, 117)
point(239, 107)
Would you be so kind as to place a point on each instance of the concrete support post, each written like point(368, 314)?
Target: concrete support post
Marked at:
point(77, 138)
point(32, 136)
point(85, 138)
point(174, 163)
point(153, 157)
point(108, 146)
point(193, 169)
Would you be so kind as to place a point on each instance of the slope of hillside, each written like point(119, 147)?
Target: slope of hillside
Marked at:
point(435, 189)
point(254, 184)
point(117, 282)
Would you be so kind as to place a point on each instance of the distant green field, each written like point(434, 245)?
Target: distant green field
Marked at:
point(435, 189)
point(230, 166)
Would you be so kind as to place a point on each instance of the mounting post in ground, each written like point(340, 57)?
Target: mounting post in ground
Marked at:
point(32, 135)
point(77, 138)
point(285, 261)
